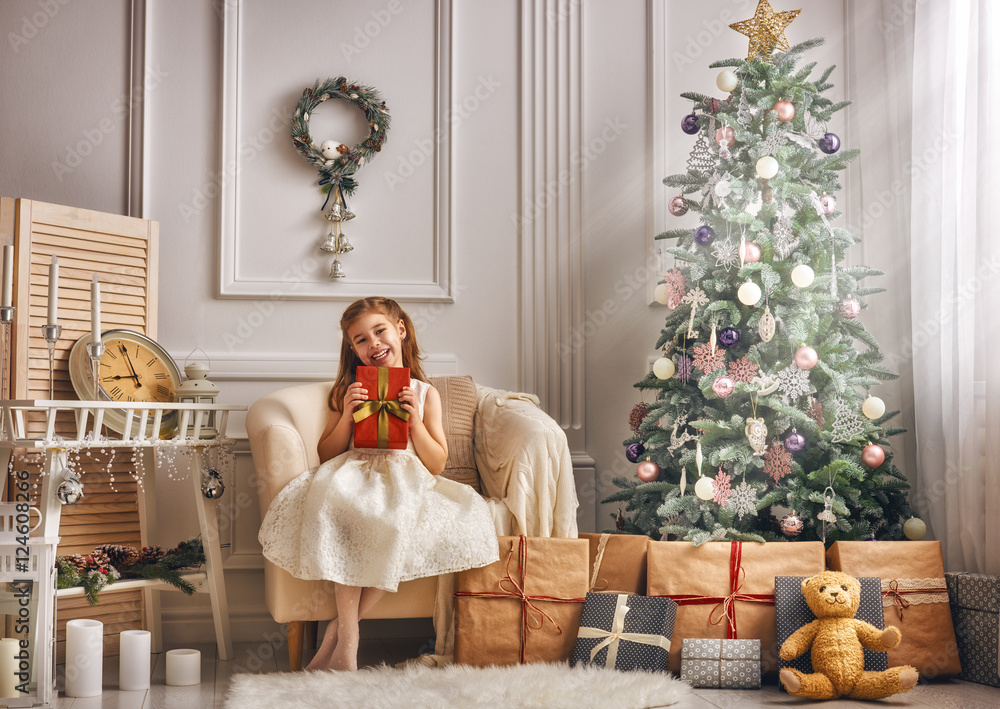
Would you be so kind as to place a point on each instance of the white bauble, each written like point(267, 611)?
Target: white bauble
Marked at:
point(660, 294)
point(329, 149)
point(914, 529)
point(802, 276)
point(726, 81)
point(767, 167)
point(664, 368)
point(873, 407)
point(749, 293)
point(704, 488)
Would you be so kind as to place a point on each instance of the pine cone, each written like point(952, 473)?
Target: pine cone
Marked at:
point(79, 561)
point(636, 416)
point(151, 554)
point(120, 555)
point(99, 560)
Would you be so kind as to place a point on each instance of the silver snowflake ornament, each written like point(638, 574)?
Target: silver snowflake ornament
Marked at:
point(743, 500)
point(770, 145)
point(784, 240)
point(793, 382)
point(726, 253)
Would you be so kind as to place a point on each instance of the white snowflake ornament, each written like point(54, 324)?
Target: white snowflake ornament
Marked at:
point(743, 500)
point(726, 253)
point(793, 382)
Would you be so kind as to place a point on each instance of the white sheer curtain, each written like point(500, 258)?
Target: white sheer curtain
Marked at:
point(926, 81)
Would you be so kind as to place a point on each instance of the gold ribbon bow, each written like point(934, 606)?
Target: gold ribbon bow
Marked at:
point(611, 638)
point(383, 407)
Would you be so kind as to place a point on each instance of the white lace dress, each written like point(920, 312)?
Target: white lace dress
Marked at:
point(373, 518)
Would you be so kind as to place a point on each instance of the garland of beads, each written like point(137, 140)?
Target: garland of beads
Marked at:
point(338, 172)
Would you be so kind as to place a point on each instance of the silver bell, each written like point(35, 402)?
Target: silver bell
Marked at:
point(336, 270)
point(212, 486)
point(70, 491)
point(345, 245)
point(329, 243)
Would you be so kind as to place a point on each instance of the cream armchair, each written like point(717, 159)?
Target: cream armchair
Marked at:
point(499, 442)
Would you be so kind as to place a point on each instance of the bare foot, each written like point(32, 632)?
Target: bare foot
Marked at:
point(908, 678)
point(791, 682)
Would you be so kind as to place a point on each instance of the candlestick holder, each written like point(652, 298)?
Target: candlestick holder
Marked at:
point(6, 320)
point(51, 334)
point(95, 350)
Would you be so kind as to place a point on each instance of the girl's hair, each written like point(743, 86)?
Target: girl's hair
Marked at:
point(349, 360)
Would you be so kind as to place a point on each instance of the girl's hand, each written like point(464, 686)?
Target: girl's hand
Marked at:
point(408, 400)
point(356, 394)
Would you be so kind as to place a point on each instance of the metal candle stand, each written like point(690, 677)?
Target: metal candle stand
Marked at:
point(95, 350)
point(6, 319)
point(51, 334)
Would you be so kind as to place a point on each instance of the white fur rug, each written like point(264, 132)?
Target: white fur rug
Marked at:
point(522, 686)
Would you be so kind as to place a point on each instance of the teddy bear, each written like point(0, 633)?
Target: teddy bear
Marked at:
point(836, 638)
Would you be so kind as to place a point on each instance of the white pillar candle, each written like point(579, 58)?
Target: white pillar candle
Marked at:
point(53, 291)
point(8, 276)
point(183, 667)
point(133, 660)
point(95, 310)
point(84, 657)
point(8, 667)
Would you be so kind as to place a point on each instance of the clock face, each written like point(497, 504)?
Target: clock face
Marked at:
point(131, 371)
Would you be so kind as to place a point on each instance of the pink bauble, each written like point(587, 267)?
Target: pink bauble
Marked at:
point(723, 386)
point(648, 471)
point(873, 455)
point(806, 357)
point(725, 135)
point(829, 203)
point(791, 525)
point(678, 206)
point(785, 111)
point(751, 252)
point(849, 308)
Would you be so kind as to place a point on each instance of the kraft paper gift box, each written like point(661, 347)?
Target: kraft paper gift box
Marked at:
point(914, 599)
point(617, 563)
point(793, 612)
point(726, 589)
point(625, 632)
point(381, 422)
point(524, 608)
point(975, 604)
point(722, 664)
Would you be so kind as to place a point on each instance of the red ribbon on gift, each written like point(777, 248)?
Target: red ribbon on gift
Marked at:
point(726, 605)
point(898, 595)
point(515, 589)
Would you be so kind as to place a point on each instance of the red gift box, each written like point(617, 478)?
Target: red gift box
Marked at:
point(381, 422)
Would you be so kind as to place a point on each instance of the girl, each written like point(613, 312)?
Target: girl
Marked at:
point(367, 519)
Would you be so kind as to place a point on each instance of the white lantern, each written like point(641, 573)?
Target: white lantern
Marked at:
point(802, 276)
point(704, 488)
point(873, 407)
point(726, 81)
point(767, 167)
point(196, 389)
point(749, 293)
point(664, 368)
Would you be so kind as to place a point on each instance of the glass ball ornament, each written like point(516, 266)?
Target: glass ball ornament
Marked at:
point(872, 455)
point(727, 81)
point(704, 489)
point(914, 529)
point(795, 441)
point(785, 111)
point(792, 525)
point(690, 124)
point(648, 471)
point(678, 206)
point(634, 451)
point(70, 491)
point(661, 295)
point(729, 337)
point(767, 167)
point(725, 136)
point(704, 235)
point(749, 293)
point(849, 308)
point(829, 143)
point(829, 203)
point(750, 252)
point(664, 368)
point(803, 276)
point(723, 386)
point(212, 486)
point(806, 357)
point(873, 407)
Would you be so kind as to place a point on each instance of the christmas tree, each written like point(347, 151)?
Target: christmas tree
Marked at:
point(761, 391)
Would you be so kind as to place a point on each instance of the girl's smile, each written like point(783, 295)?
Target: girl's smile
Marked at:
point(377, 342)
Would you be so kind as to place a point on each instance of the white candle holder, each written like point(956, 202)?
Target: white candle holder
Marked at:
point(183, 667)
point(84, 657)
point(133, 660)
point(51, 334)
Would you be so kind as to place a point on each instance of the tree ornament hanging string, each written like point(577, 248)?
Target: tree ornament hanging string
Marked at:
point(337, 162)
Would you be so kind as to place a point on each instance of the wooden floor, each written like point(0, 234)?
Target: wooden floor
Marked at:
point(266, 657)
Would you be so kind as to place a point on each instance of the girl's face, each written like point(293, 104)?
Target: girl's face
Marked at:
point(377, 342)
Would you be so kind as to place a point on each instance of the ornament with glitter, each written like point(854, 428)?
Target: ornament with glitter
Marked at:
point(743, 370)
point(816, 412)
point(722, 488)
point(756, 432)
point(636, 416)
point(766, 326)
point(770, 145)
point(744, 116)
point(793, 382)
point(706, 360)
point(847, 424)
point(679, 439)
point(766, 30)
point(701, 159)
point(695, 297)
point(743, 500)
point(784, 240)
point(675, 284)
point(726, 253)
point(777, 461)
point(684, 369)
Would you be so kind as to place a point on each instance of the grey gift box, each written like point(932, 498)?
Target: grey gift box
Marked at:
point(724, 664)
point(975, 610)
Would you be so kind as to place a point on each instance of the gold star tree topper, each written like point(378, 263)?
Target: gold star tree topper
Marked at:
point(766, 30)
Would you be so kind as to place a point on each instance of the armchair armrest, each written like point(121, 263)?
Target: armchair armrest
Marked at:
point(524, 461)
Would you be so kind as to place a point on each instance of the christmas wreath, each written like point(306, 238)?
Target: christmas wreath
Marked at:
point(337, 163)
point(110, 562)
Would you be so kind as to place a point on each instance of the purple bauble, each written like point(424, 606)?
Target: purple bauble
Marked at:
point(729, 337)
point(689, 124)
point(634, 451)
point(704, 235)
point(829, 143)
point(795, 441)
